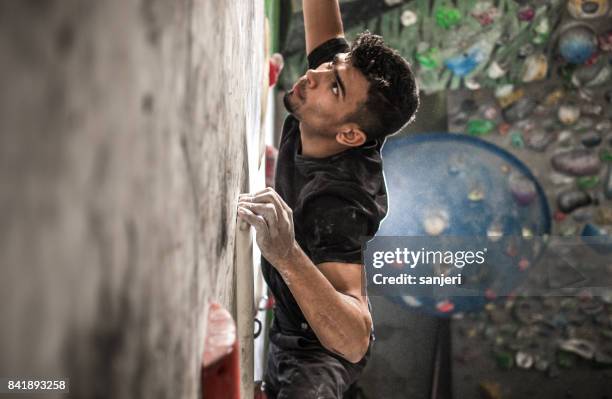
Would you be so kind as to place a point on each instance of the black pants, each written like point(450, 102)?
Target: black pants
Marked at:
point(311, 373)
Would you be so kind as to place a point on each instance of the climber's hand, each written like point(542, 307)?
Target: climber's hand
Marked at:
point(273, 221)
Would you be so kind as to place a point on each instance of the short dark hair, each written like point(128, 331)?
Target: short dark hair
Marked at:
point(393, 95)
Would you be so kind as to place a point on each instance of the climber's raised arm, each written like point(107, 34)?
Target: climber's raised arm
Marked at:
point(322, 21)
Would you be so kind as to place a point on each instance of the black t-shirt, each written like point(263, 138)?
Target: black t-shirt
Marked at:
point(336, 202)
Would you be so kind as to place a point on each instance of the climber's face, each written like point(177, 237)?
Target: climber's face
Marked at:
point(325, 98)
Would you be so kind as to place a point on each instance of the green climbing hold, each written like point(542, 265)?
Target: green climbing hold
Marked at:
point(516, 139)
point(540, 38)
point(447, 17)
point(427, 59)
point(587, 182)
point(479, 127)
point(504, 360)
point(606, 156)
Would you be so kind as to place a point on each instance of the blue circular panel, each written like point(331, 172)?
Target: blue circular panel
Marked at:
point(447, 184)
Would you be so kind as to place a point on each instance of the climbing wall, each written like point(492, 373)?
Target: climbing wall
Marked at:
point(123, 135)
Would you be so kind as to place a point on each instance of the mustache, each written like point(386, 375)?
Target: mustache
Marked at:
point(301, 86)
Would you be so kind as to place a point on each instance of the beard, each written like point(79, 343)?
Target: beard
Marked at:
point(287, 102)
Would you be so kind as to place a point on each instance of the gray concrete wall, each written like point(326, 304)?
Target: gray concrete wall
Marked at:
point(122, 151)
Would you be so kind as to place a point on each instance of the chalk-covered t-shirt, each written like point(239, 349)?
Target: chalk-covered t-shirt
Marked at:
point(336, 201)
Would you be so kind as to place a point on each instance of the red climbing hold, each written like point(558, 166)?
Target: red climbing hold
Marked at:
point(559, 216)
point(445, 306)
point(504, 128)
point(220, 362)
point(276, 66)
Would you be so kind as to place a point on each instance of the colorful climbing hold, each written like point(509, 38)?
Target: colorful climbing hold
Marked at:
point(577, 44)
point(447, 17)
point(464, 63)
point(495, 71)
point(479, 127)
point(435, 221)
point(559, 216)
point(542, 30)
point(554, 97)
point(485, 14)
point(471, 84)
point(495, 232)
point(591, 139)
point(535, 68)
point(578, 162)
point(580, 9)
point(445, 306)
point(411, 301)
point(540, 38)
point(524, 360)
point(526, 14)
point(606, 155)
point(427, 59)
point(568, 201)
point(587, 182)
point(476, 195)
point(516, 139)
point(504, 128)
point(408, 18)
point(522, 188)
point(490, 112)
point(568, 114)
point(506, 95)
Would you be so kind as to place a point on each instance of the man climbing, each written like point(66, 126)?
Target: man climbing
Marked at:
point(330, 193)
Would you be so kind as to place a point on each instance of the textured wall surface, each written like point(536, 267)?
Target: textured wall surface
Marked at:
point(123, 130)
